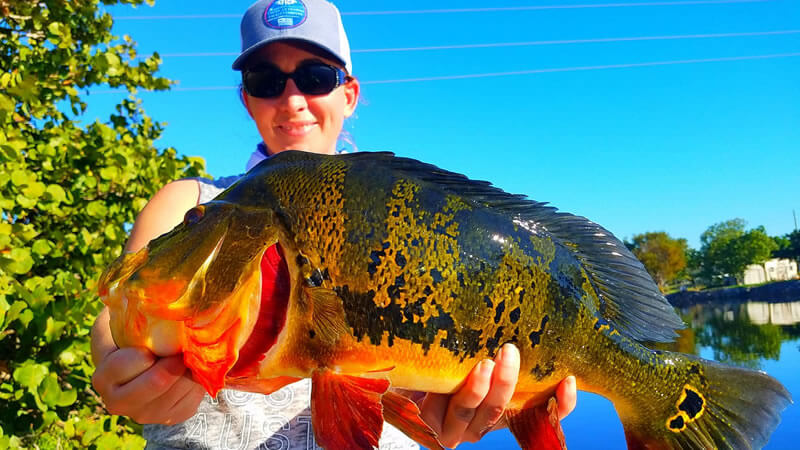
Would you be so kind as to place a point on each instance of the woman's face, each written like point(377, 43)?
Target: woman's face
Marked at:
point(297, 121)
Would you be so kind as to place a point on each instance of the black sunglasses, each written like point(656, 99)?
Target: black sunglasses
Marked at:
point(315, 78)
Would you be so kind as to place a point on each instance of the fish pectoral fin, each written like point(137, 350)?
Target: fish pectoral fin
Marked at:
point(328, 319)
point(537, 426)
point(346, 411)
point(404, 414)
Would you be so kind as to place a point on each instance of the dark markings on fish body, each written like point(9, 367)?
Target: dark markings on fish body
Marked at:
point(415, 242)
point(301, 260)
point(375, 261)
point(386, 245)
point(677, 423)
point(394, 291)
point(427, 290)
point(543, 371)
point(694, 369)
point(494, 342)
point(400, 260)
point(312, 334)
point(437, 276)
point(460, 277)
point(368, 320)
point(522, 295)
point(599, 323)
point(501, 307)
point(326, 275)
point(514, 315)
point(536, 335)
point(693, 404)
point(488, 301)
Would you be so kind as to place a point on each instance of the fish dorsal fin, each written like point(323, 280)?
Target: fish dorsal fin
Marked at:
point(629, 298)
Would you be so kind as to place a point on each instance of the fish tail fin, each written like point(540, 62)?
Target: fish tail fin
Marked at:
point(705, 404)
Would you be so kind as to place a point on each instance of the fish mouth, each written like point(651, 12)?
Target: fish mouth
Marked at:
point(275, 291)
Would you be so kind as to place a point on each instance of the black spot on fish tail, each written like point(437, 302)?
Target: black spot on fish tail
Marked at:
point(677, 423)
point(514, 315)
point(536, 335)
point(488, 301)
point(437, 276)
point(494, 342)
point(386, 245)
point(693, 404)
point(501, 307)
point(543, 371)
point(461, 282)
point(427, 290)
point(375, 258)
point(415, 242)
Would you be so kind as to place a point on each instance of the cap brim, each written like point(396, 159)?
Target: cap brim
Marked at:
point(238, 63)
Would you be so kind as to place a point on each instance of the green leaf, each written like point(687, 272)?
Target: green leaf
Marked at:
point(14, 311)
point(6, 103)
point(56, 193)
point(54, 329)
point(96, 208)
point(30, 375)
point(52, 395)
point(42, 247)
point(21, 177)
point(19, 261)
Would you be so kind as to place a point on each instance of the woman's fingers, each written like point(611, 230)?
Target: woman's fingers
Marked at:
point(503, 382)
point(463, 404)
point(567, 396)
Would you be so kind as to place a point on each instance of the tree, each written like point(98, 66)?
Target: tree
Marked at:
point(662, 256)
point(788, 246)
point(727, 249)
point(67, 193)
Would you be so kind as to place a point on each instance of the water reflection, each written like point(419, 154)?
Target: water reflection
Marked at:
point(740, 333)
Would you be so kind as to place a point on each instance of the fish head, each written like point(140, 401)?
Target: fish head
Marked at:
point(195, 290)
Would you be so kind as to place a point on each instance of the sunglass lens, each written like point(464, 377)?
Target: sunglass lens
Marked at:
point(316, 79)
point(265, 82)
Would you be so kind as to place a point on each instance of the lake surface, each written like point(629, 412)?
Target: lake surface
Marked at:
point(759, 335)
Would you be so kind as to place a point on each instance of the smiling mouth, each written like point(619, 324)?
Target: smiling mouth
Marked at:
point(275, 288)
point(296, 129)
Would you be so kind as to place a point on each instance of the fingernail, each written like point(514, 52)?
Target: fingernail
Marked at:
point(487, 366)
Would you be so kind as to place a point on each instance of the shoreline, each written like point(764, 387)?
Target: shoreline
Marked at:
point(777, 291)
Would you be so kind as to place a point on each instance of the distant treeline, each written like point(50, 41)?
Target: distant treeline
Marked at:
point(726, 249)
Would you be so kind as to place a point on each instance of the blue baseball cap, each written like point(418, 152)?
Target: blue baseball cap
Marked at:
point(316, 22)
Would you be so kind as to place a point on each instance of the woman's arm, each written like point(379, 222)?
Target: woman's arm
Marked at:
point(132, 381)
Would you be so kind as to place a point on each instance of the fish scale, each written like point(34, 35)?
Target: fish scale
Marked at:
point(398, 273)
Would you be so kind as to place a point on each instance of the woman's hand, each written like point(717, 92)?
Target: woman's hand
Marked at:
point(478, 406)
point(135, 383)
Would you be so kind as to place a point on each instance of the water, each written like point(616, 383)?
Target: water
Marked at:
point(758, 335)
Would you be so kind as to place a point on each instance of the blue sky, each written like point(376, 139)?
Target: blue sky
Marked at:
point(673, 146)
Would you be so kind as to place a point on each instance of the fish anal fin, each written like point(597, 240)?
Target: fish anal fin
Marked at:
point(346, 411)
point(537, 426)
point(328, 320)
point(404, 414)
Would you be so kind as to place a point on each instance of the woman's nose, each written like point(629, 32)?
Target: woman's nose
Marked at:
point(292, 97)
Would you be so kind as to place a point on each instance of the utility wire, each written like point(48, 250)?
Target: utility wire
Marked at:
point(466, 10)
point(522, 44)
point(519, 72)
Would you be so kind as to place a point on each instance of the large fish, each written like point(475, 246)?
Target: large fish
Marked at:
point(366, 271)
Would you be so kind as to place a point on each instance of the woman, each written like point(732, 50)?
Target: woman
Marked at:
point(298, 88)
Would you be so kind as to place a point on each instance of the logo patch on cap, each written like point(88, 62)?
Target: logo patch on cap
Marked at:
point(282, 14)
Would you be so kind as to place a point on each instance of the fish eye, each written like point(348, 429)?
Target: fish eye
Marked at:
point(194, 215)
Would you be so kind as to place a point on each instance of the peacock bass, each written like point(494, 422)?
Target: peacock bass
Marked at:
point(369, 271)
